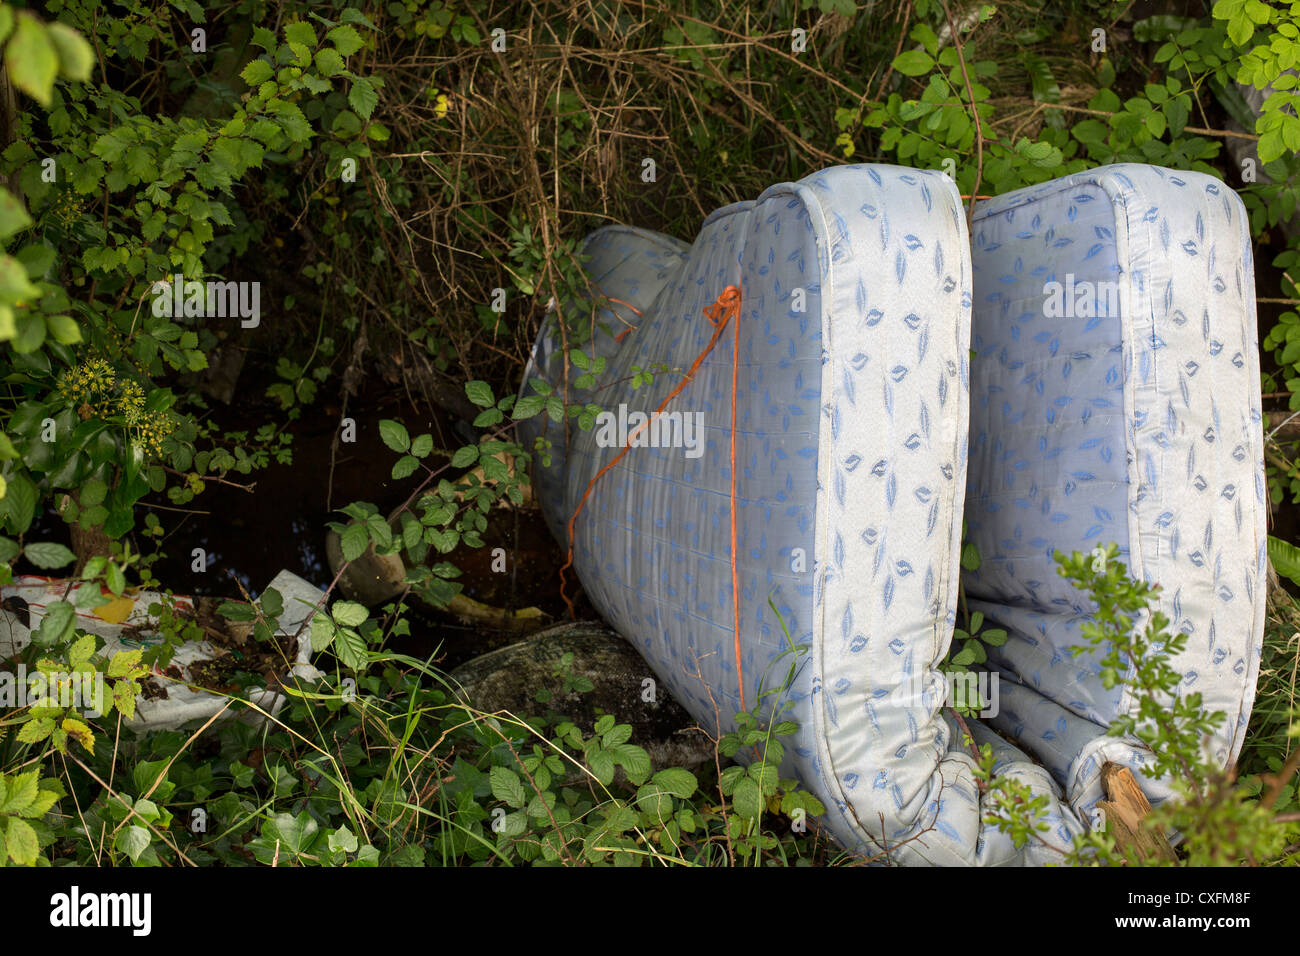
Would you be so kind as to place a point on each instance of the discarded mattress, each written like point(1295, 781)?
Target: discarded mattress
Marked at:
point(853, 409)
point(125, 624)
point(1115, 396)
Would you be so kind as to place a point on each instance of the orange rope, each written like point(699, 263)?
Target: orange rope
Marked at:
point(723, 309)
point(735, 573)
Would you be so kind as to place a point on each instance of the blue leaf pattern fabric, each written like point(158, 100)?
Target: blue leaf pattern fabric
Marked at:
point(856, 400)
point(1135, 420)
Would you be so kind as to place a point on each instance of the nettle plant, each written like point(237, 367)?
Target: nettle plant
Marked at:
point(1223, 820)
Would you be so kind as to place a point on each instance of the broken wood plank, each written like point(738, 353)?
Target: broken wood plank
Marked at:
point(1126, 809)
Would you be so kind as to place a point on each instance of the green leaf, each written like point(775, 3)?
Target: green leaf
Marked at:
point(747, 800)
point(350, 648)
point(963, 658)
point(362, 97)
point(405, 466)
point(350, 613)
point(507, 787)
point(123, 663)
point(93, 493)
point(421, 445)
point(31, 331)
point(56, 624)
point(345, 39)
point(36, 730)
point(464, 457)
point(328, 62)
point(13, 216)
point(236, 611)
point(76, 58)
point(343, 839)
point(49, 554)
point(601, 763)
point(132, 841)
point(21, 841)
point(678, 782)
point(480, 393)
point(19, 502)
point(272, 602)
point(354, 541)
point(256, 73)
point(528, 406)
point(913, 63)
point(21, 791)
point(81, 651)
point(301, 32)
point(394, 435)
point(1285, 558)
point(115, 579)
point(32, 60)
point(322, 632)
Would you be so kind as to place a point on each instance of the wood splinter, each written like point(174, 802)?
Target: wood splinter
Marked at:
point(1126, 808)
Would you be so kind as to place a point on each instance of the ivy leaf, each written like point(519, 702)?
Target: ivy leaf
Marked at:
point(132, 841)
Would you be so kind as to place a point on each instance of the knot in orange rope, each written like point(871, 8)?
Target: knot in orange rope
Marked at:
point(724, 307)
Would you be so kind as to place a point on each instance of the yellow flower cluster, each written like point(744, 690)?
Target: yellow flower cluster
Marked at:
point(95, 388)
point(67, 207)
point(131, 402)
point(92, 379)
point(152, 431)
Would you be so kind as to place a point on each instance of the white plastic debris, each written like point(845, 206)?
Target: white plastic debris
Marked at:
point(130, 614)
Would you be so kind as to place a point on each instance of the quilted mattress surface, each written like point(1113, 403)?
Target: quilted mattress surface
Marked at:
point(855, 397)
